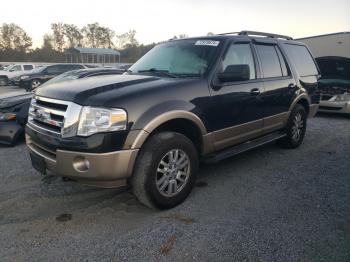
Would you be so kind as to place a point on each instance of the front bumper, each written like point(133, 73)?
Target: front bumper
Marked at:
point(98, 169)
point(342, 107)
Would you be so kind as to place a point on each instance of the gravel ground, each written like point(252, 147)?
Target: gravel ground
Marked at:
point(269, 204)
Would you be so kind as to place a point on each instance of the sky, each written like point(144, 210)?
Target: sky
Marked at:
point(159, 20)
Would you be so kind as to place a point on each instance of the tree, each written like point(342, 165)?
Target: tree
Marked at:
point(58, 36)
point(105, 37)
point(47, 41)
point(90, 34)
point(73, 35)
point(14, 37)
point(127, 40)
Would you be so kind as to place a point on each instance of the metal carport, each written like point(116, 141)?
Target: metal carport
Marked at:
point(92, 55)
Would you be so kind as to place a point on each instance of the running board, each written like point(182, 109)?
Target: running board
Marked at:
point(251, 144)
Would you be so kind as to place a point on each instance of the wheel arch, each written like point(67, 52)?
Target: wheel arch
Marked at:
point(303, 100)
point(180, 121)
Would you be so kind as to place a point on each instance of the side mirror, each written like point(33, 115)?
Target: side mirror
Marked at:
point(234, 73)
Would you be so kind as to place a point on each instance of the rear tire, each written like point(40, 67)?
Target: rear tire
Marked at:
point(165, 170)
point(296, 128)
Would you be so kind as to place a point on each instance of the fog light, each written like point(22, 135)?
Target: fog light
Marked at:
point(81, 164)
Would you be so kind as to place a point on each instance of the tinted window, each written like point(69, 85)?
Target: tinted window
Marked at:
point(54, 69)
point(302, 59)
point(73, 67)
point(269, 61)
point(283, 63)
point(27, 67)
point(240, 54)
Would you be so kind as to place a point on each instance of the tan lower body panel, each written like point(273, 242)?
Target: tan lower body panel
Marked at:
point(235, 135)
point(100, 169)
point(275, 122)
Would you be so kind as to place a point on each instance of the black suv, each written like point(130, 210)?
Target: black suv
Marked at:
point(40, 75)
point(187, 100)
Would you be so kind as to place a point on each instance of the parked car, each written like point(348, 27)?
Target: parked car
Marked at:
point(14, 109)
point(40, 75)
point(9, 73)
point(205, 98)
point(334, 84)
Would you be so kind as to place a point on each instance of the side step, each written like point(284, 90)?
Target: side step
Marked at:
point(235, 150)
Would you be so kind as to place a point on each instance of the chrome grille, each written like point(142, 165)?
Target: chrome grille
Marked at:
point(55, 117)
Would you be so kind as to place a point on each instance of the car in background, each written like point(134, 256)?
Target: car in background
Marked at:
point(14, 109)
point(40, 75)
point(334, 84)
point(10, 72)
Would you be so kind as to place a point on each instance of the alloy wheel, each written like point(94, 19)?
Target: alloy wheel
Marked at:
point(297, 128)
point(172, 172)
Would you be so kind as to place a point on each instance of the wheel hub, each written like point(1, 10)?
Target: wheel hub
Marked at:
point(172, 172)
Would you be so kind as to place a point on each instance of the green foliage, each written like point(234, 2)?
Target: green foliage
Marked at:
point(13, 37)
point(15, 43)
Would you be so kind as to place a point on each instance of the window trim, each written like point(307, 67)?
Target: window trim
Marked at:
point(256, 65)
point(262, 72)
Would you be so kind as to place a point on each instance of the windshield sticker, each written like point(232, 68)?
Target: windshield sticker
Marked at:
point(207, 42)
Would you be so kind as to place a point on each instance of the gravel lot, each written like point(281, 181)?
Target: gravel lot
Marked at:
point(269, 204)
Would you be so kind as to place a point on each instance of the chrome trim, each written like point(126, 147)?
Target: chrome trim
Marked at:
point(49, 110)
point(70, 122)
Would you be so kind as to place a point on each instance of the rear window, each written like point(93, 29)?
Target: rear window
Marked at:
point(302, 59)
point(27, 67)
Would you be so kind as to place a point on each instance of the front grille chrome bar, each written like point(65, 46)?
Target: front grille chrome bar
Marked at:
point(48, 115)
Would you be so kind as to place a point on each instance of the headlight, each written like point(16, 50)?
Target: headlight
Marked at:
point(24, 77)
point(7, 116)
point(95, 120)
point(343, 97)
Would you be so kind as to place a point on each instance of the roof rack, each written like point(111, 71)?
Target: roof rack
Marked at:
point(247, 33)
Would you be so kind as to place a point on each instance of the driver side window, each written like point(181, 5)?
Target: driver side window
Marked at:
point(240, 54)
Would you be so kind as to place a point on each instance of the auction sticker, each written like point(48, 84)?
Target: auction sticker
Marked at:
point(207, 42)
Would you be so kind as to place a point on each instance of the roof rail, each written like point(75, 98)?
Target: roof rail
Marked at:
point(247, 33)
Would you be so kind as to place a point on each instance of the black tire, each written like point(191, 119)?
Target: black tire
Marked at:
point(4, 81)
point(146, 173)
point(298, 115)
point(35, 83)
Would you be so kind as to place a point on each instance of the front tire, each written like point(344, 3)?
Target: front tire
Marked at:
point(165, 170)
point(35, 83)
point(296, 128)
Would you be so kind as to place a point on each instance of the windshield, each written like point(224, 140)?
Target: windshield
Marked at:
point(181, 57)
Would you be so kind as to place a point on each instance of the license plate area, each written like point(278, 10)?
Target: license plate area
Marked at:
point(38, 163)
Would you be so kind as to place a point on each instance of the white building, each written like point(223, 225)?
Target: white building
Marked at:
point(337, 44)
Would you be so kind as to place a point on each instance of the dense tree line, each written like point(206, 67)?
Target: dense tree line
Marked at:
point(16, 45)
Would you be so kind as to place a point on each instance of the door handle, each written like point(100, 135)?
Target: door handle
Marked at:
point(255, 91)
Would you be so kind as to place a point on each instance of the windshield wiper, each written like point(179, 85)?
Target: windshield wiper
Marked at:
point(158, 72)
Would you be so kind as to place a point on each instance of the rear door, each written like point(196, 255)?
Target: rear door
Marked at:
point(279, 85)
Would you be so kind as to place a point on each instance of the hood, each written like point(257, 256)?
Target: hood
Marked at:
point(15, 100)
point(82, 91)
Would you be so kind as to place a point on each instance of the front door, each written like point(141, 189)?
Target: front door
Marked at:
point(236, 113)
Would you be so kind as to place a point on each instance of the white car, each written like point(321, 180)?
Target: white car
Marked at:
point(7, 75)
